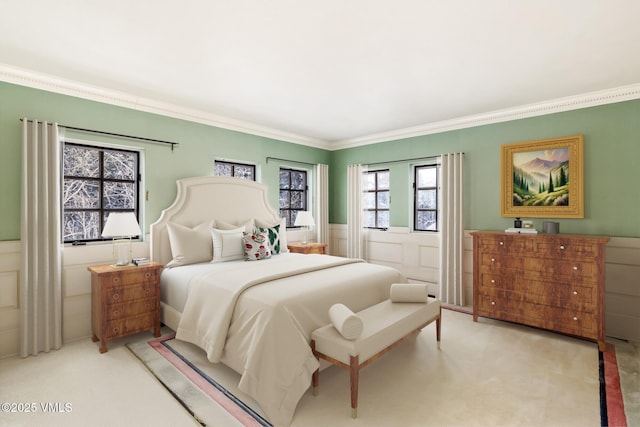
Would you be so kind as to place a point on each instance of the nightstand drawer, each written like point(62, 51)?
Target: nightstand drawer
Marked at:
point(132, 277)
point(120, 311)
point(115, 295)
point(130, 325)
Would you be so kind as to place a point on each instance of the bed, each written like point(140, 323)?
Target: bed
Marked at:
point(254, 316)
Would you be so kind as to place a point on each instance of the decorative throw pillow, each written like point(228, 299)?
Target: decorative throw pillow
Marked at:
point(277, 235)
point(248, 225)
point(227, 244)
point(256, 246)
point(189, 245)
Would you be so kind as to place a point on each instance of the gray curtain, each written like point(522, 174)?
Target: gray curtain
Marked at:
point(41, 263)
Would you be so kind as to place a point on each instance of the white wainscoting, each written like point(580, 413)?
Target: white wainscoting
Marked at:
point(416, 256)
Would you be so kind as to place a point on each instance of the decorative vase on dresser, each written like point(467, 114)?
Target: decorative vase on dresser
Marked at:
point(554, 282)
point(124, 301)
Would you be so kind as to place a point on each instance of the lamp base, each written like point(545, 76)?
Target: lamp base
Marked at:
point(121, 252)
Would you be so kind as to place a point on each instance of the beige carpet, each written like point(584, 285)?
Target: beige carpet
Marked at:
point(486, 373)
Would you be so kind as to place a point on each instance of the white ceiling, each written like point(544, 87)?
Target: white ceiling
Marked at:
point(330, 71)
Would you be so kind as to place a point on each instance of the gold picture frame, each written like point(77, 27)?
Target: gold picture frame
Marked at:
point(543, 179)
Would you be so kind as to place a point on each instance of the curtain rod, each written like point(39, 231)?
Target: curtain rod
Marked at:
point(405, 160)
point(119, 135)
point(292, 161)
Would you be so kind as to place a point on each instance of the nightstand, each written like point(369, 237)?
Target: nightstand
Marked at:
point(308, 248)
point(124, 301)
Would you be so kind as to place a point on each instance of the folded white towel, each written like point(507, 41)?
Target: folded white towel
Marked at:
point(409, 292)
point(346, 321)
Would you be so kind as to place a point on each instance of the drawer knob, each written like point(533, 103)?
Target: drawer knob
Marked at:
point(493, 303)
point(493, 281)
point(501, 243)
point(147, 291)
point(115, 280)
point(575, 267)
point(575, 318)
point(562, 247)
point(116, 296)
point(116, 312)
point(115, 330)
point(575, 292)
point(147, 275)
point(493, 260)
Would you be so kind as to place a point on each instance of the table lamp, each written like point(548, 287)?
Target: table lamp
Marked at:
point(304, 219)
point(121, 226)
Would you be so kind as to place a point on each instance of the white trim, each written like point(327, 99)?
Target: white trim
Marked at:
point(28, 78)
point(36, 80)
point(591, 99)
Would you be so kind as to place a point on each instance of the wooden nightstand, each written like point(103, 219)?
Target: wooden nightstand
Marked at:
point(309, 248)
point(124, 301)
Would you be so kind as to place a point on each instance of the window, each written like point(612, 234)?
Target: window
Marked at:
point(426, 198)
point(238, 170)
point(96, 182)
point(376, 199)
point(293, 194)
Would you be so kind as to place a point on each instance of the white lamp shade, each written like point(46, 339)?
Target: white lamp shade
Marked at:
point(121, 224)
point(304, 218)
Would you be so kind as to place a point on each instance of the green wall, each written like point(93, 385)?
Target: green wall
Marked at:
point(611, 154)
point(611, 165)
point(199, 145)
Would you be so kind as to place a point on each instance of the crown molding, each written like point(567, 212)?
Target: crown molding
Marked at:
point(36, 80)
point(591, 99)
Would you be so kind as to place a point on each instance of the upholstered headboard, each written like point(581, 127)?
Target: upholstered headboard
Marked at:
point(199, 199)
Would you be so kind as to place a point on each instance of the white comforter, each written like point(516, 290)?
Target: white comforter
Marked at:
point(263, 331)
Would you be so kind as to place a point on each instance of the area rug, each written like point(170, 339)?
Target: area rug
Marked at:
point(486, 373)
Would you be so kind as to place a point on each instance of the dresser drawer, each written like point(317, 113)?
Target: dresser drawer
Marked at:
point(567, 320)
point(561, 249)
point(130, 325)
point(119, 294)
point(122, 310)
point(131, 276)
point(509, 245)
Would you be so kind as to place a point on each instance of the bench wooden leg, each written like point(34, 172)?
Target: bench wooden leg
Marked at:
point(315, 378)
point(438, 331)
point(354, 370)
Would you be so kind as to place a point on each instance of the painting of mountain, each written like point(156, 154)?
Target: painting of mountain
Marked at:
point(541, 178)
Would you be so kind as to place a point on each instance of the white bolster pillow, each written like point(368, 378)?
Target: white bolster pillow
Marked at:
point(409, 292)
point(346, 321)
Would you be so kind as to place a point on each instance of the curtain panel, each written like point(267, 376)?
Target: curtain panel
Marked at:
point(451, 229)
point(41, 263)
point(355, 232)
point(322, 203)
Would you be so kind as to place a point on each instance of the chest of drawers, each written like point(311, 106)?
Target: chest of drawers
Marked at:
point(554, 282)
point(124, 301)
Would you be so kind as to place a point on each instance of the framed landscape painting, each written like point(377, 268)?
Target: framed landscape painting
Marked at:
point(543, 179)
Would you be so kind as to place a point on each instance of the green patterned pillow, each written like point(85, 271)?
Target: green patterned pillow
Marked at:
point(274, 237)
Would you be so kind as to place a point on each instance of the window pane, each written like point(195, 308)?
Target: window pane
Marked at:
point(297, 201)
point(369, 182)
point(81, 161)
point(287, 215)
point(120, 165)
point(284, 179)
point(427, 220)
point(427, 177)
point(383, 200)
point(80, 226)
point(369, 201)
point(427, 199)
point(298, 180)
point(383, 219)
point(80, 194)
point(284, 200)
point(369, 219)
point(244, 172)
point(119, 195)
point(383, 180)
point(223, 169)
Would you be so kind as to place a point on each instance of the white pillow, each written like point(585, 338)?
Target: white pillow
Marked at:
point(189, 245)
point(277, 235)
point(227, 244)
point(223, 225)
